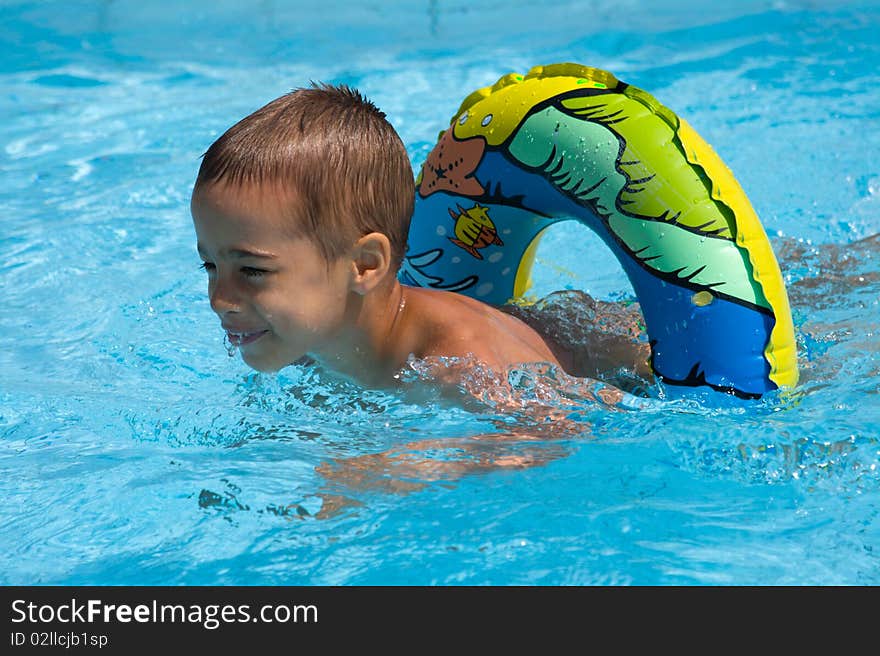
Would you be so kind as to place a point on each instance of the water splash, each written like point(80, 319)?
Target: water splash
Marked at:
point(593, 338)
point(529, 393)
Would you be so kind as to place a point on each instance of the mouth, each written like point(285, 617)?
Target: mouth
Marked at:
point(242, 339)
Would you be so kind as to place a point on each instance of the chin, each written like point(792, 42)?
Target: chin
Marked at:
point(268, 365)
point(261, 364)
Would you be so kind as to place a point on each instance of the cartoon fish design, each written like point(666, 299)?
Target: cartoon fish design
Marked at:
point(474, 229)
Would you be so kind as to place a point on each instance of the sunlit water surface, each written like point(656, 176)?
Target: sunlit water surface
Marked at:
point(134, 451)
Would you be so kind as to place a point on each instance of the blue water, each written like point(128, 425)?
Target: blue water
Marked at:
point(133, 450)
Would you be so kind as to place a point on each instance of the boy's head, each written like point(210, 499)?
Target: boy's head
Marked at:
point(332, 156)
point(300, 209)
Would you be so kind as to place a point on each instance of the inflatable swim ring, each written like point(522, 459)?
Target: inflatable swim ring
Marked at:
point(567, 141)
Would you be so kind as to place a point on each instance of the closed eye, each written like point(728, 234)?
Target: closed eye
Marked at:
point(251, 272)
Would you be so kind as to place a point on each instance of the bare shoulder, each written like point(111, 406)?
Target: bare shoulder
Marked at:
point(453, 325)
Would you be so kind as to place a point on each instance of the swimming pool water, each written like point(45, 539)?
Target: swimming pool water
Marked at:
point(134, 451)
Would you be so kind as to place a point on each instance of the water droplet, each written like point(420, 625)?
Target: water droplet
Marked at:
point(702, 298)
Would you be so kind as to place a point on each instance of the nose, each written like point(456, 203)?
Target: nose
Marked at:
point(222, 296)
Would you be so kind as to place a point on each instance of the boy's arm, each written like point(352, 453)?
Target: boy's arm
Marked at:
point(533, 441)
point(413, 466)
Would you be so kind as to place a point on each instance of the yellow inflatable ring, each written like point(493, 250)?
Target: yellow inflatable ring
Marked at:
point(568, 141)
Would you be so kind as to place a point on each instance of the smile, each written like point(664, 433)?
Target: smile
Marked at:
point(241, 339)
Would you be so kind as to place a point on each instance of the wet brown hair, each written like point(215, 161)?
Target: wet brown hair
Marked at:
point(335, 149)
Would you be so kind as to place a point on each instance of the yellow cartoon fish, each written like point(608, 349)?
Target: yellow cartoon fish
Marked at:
point(474, 229)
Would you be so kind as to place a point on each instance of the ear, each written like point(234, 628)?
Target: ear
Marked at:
point(371, 262)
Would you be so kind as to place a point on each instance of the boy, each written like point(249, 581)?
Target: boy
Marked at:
point(301, 212)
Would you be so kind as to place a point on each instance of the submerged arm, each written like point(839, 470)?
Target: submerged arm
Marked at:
point(544, 416)
point(413, 466)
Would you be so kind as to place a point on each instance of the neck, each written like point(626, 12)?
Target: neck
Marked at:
point(368, 350)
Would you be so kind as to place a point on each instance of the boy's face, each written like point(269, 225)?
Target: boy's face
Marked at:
point(275, 294)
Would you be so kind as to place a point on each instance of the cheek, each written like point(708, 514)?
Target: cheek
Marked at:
point(313, 310)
